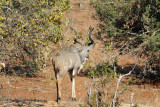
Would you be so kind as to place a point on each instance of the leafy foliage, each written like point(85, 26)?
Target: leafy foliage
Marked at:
point(103, 70)
point(28, 26)
point(136, 21)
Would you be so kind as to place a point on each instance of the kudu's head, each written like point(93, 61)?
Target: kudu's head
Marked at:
point(85, 49)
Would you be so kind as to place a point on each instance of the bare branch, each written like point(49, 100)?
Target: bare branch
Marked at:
point(132, 100)
point(99, 93)
point(140, 47)
point(7, 8)
point(121, 76)
point(155, 32)
point(89, 91)
point(95, 85)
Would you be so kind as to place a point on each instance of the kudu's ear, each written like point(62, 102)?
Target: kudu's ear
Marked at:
point(91, 46)
point(74, 48)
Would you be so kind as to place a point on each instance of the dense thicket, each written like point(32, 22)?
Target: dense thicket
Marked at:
point(136, 22)
point(26, 27)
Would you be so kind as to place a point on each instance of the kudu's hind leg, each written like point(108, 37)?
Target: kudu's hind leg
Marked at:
point(58, 83)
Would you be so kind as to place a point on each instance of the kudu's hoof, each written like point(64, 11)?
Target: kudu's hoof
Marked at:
point(73, 99)
point(58, 100)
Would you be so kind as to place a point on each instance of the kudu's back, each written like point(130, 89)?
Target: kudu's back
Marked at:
point(65, 60)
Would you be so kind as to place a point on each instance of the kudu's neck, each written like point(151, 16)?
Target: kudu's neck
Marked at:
point(82, 57)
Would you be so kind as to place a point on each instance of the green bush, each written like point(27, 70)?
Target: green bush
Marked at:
point(136, 21)
point(104, 69)
point(29, 26)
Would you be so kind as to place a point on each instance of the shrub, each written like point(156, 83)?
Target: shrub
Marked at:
point(136, 21)
point(27, 27)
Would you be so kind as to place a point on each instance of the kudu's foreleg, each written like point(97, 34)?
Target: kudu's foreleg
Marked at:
point(73, 89)
point(74, 73)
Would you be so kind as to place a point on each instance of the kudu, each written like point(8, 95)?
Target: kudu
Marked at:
point(71, 60)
